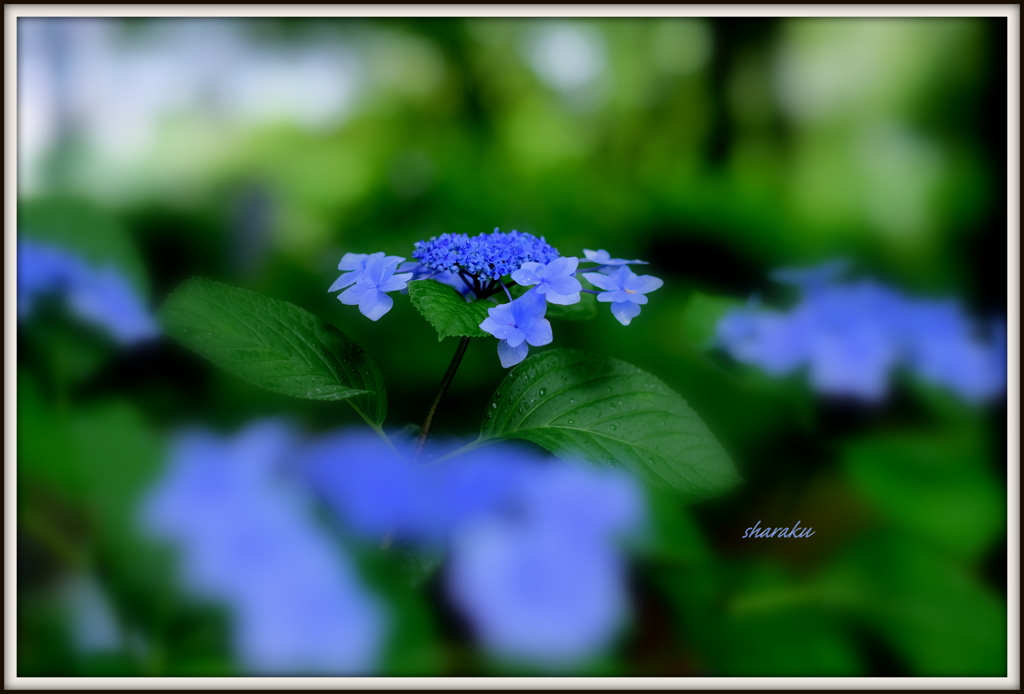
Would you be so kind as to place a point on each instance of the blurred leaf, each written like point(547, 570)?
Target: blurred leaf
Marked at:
point(274, 345)
point(45, 445)
point(98, 458)
point(937, 486)
point(418, 565)
point(97, 461)
point(771, 627)
point(939, 618)
point(701, 315)
point(79, 226)
point(446, 309)
point(70, 351)
point(118, 457)
point(413, 646)
point(678, 537)
point(606, 412)
point(751, 620)
point(585, 309)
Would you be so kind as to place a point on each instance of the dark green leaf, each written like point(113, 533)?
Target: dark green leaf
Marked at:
point(274, 345)
point(607, 412)
point(446, 310)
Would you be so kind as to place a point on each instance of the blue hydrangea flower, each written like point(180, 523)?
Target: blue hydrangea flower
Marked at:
point(371, 284)
point(377, 492)
point(606, 263)
point(853, 336)
point(373, 489)
point(810, 278)
point(769, 340)
point(353, 266)
point(547, 583)
point(486, 256)
point(101, 296)
point(518, 325)
point(43, 269)
point(945, 349)
point(248, 540)
point(555, 280)
point(625, 290)
point(105, 298)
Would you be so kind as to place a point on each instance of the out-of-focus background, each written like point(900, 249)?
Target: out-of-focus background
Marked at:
point(258, 152)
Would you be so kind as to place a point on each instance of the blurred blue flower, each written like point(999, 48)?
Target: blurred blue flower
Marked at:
point(809, 278)
point(378, 492)
point(42, 269)
point(534, 562)
point(247, 540)
point(546, 582)
point(606, 263)
point(373, 489)
point(371, 284)
point(625, 290)
point(853, 336)
point(518, 324)
point(554, 280)
point(769, 340)
point(853, 340)
point(102, 297)
point(946, 349)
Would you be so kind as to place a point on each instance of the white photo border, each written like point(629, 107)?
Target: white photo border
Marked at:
point(1010, 12)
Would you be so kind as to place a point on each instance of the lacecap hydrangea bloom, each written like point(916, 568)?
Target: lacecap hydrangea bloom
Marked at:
point(486, 267)
point(535, 563)
point(248, 540)
point(378, 491)
point(852, 336)
point(546, 583)
point(99, 296)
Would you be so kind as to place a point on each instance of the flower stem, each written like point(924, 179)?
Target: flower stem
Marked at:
point(459, 451)
point(460, 351)
point(507, 292)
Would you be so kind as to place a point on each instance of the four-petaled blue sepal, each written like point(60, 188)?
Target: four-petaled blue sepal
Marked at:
point(518, 324)
point(554, 280)
point(625, 290)
point(369, 278)
point(606, 263)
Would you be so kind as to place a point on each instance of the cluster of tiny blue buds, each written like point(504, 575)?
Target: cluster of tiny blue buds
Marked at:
point(487, 256)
